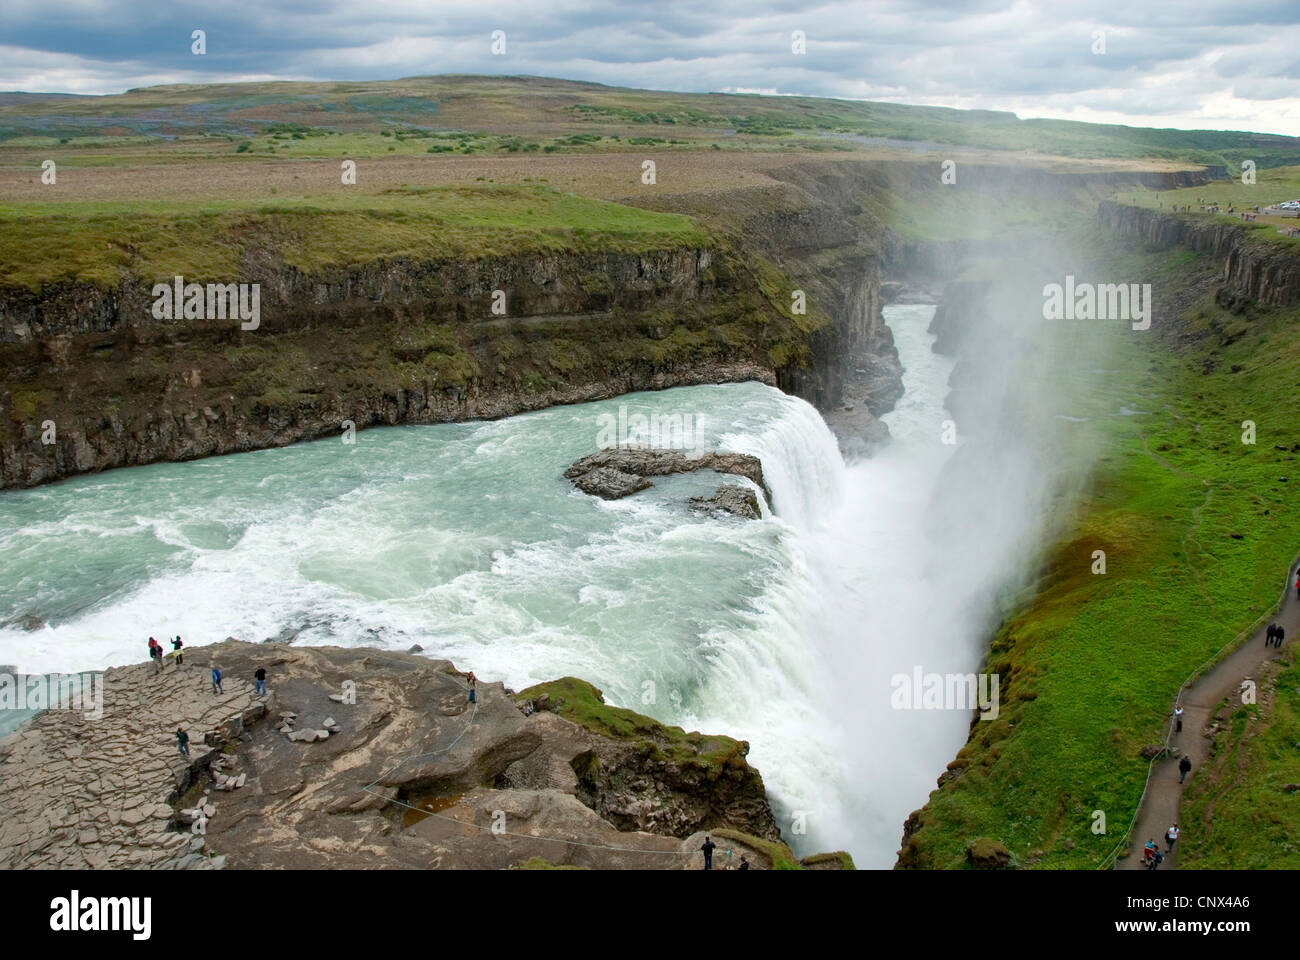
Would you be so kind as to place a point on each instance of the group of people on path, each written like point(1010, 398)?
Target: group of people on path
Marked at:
point(1274, 635)
point(259, 676)
point(1152, 857)
point(707, 849)
point(156, 653)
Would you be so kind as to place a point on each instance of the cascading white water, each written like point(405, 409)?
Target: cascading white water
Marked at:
point(465, 539)
point(864, 599)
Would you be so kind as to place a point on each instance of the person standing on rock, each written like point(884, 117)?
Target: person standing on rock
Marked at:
point(1171, 837)
point(708, 852)
point(182, 741)
point(176, 649)
point(155, 654)
point(744, 864)
point(216, 679)
point(259, 681)
point(1184, 768)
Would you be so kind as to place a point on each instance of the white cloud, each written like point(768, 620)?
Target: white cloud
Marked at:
point(1219, 63)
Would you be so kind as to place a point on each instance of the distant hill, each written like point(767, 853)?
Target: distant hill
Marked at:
point(538, 108)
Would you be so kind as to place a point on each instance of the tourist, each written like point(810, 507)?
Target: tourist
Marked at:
point(1148, 852)
point(259, 681)
point(1270, 634)
point(708, 852)
point(1157, 858)
point(182, 741)
point(1178, 719)
point(153, 654)
point(1279, 635)
point(744, 864)
point(216, 680)
point(1184, 768)
point(1171, 837)
point(176, 649)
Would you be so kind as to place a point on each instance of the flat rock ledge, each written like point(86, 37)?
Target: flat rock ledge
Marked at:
point(361, 758)
point(620, 471)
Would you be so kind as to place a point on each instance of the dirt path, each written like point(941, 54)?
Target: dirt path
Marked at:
point(1160, 806)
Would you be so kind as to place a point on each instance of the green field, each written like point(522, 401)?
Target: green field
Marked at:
point(543, 112)
point(96, 241)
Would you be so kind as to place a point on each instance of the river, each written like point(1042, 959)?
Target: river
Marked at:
point(465, 539)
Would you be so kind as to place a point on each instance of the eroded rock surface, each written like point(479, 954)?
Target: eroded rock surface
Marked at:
point(399, 770)
point(729, 499)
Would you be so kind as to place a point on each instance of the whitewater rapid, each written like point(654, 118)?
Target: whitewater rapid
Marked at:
point(465, 539)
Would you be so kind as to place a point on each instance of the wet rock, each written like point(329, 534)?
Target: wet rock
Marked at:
point(610, 484)
point(729, 499)
point(654, 462)
point(28, 621)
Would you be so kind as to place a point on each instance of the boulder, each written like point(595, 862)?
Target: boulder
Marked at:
point(610, 484)
point(987, 854)
point(729, 499)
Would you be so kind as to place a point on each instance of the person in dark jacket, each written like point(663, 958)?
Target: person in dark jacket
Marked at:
point(259, 681)
point(176, 648)
point(1184, 768)
point(216, 679)
point(182, 741)
point(707, 848)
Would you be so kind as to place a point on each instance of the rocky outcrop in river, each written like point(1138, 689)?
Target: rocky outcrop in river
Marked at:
point(619, 471)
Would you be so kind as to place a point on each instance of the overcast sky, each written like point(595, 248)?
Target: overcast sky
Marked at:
point(1215, 64)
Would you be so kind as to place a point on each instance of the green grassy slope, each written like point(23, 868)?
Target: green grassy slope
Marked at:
point(1239, 812)
point(1198, 529)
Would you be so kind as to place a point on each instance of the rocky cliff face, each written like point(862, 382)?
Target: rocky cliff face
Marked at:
point(363, 758)
point(1266, 273)
point(93, 380)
